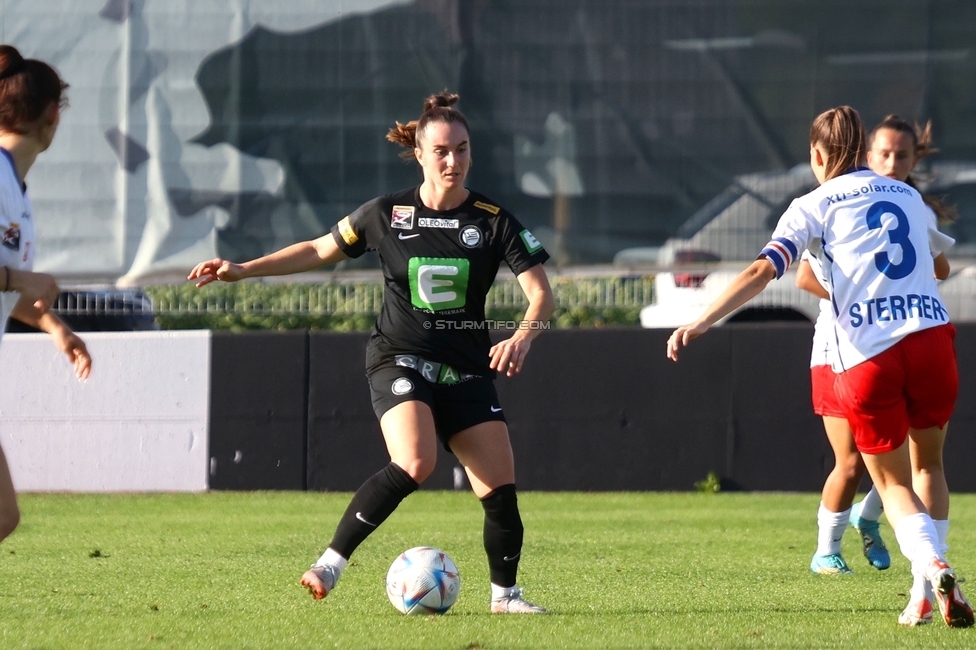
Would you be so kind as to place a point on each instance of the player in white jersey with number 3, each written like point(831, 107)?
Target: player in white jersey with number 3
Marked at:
point(894, 148)
point(31, 98)
point(894, 345)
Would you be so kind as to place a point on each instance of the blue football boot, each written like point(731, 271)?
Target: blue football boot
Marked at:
point(874, 548)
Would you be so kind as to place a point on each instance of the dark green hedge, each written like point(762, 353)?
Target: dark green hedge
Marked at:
point(352, 306)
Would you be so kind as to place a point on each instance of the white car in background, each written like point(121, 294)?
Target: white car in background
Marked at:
point(723, 238)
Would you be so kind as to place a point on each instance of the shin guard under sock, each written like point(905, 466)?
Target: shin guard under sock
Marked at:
point(503, 534)
point(374, 501)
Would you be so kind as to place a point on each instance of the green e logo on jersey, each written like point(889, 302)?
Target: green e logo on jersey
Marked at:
point(531, 243)
point(438, 283)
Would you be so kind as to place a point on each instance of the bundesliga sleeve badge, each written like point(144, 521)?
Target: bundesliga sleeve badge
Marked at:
point(402, 217)
point(11, 237)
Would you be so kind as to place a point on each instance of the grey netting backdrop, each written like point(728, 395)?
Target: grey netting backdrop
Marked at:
point(235, 127)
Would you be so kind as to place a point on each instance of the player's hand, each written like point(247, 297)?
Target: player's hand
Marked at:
point(72, 345)
point(39, 288)
point(508, 355)
point(682, 336)
point(216, 269)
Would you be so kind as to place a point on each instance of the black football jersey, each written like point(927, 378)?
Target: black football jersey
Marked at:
point(437, 269)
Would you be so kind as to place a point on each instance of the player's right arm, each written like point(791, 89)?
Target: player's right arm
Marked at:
point(39, 289)
point(746, 286)
point(791, 236)
point(64, 338)
point(303, 256)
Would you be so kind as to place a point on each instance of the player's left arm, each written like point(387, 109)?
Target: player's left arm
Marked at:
point(62, 335)
point(807, 280)
point(941, 267)
point(939, 243)
point(509, 355)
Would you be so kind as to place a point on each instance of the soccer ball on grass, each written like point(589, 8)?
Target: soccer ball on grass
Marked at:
point(423, 580)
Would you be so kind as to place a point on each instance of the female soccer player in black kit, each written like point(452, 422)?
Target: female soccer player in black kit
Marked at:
point(430, 362)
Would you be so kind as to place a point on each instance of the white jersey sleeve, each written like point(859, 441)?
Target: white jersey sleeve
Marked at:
point(797, 230)
point(939, 242)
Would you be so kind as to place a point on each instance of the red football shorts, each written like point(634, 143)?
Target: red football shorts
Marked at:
point(825, 403)
point(913, 383)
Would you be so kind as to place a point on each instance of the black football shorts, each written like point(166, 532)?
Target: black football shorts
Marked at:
point(456, 407)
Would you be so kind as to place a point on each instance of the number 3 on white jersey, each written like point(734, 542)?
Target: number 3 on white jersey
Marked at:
point(897, 235)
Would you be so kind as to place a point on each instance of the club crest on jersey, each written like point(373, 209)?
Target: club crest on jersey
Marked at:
point(470, 236)
point(11, 238)
point(402, 217)
point(402, 386)
point(437, 222)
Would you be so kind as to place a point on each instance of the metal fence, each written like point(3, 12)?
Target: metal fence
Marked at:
point(366, 297)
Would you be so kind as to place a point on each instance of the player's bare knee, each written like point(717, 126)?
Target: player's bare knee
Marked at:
point(851, 471)
point(929, 469)
point(420, 468)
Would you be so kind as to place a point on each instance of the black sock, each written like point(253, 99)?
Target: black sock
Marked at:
point(374, 501)
point(503, 534)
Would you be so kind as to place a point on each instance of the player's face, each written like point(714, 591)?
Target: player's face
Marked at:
point(892, 154)
point(445, 154)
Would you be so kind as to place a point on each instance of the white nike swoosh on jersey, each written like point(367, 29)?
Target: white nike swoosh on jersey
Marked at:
point(402, 236)
point(360, 517)
point(495, 410)
point(509, 559)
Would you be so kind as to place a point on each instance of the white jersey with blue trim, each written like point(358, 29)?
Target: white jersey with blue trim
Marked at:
point(875, 240)
point(822, 350)
point(16, 228)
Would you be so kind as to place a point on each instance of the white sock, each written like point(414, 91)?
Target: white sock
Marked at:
point(831, 527)
point(503, 592)
point(942, 527)
point(333, 559)
point(921, 587)
point(871, 506)
point(918, 541)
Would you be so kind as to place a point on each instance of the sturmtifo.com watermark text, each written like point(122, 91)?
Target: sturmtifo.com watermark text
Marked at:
point(487, 324)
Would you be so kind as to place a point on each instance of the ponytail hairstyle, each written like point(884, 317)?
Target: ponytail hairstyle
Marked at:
point(28, 87)
point(840, 133)
point(922, 139)
point(437, 108)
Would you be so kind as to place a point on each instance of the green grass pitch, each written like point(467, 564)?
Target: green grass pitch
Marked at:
point(618, 570)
